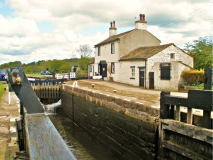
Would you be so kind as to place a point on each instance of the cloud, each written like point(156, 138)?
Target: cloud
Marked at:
point(33, 30)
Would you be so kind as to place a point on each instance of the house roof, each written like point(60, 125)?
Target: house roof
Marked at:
point(113, 38)
point(144, 52)
point(92, 61)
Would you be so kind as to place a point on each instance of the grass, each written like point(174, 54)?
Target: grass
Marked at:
point(2, 87)
point(197, 86)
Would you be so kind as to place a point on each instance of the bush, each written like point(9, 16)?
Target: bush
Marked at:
point(81, 73)
point(193, 76)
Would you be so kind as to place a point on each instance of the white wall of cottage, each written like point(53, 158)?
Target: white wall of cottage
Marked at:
point(173, 83)
point(106, 55)
point(164, 56)
point(126, 72)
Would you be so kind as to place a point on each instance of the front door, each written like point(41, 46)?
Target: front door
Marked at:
point(151, 80)
point(102, 68)
point(142, 77)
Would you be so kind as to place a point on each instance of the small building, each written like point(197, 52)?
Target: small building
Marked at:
point(136, 57)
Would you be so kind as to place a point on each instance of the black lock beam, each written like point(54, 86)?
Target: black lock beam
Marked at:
point(23, 90)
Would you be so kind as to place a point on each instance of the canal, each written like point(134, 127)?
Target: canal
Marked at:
point(82, 145)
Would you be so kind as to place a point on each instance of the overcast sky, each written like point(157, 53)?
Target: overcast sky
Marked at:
point(32, 30)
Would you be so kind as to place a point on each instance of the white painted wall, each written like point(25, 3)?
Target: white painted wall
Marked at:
point(125, 72)
point(164, 56)
point(173, 83)
point(108, 57)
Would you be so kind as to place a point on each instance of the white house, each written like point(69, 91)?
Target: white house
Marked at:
point(136, 57)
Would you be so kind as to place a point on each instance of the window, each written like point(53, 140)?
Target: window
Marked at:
point(132, 71)
point(99, 50)
point(172, 56)
point(112, 48)
point(165, 71)
point(112, 67)
point(90, 68)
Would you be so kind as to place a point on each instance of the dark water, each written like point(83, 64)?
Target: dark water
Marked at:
point(81, 144)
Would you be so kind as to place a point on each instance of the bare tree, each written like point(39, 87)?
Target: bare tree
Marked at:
point(73, 54)
point(85, 51)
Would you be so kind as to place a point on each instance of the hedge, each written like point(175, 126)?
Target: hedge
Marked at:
point(193, 76)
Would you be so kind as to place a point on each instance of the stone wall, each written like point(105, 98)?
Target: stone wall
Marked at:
point(126, 128)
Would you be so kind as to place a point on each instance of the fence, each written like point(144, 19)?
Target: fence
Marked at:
point(65, 75)
point(170, 106)
point(180, 140)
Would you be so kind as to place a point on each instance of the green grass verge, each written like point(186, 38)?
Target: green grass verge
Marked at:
point(198, 86)
point(2, 91)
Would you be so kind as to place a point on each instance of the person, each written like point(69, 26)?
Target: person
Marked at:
point(2, 75)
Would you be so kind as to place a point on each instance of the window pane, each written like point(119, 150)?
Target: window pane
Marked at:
point(165, 73)
point(99, 51)
point(113, 67)
point(112, 48)
point(172, 55)
point(133, 72)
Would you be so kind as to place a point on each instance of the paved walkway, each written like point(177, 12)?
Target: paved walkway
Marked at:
point(122, 86)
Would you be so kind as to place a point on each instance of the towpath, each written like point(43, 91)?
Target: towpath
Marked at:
point(8, 138)
point(127, 87)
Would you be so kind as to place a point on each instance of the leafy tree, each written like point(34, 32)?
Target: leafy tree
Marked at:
point(202, 52)
point(83, 63)
point(85, 51)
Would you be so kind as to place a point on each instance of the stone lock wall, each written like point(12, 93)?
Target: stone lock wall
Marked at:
point(126, 128)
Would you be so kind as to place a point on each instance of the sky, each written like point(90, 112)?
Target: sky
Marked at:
point(33, 30)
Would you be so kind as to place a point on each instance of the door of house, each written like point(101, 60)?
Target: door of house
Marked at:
point(151, 80)
point(142, 77)
point(103, 68)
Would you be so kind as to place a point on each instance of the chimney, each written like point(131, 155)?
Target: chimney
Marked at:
point(112, 29)
point(141, 17)
point(141, 23)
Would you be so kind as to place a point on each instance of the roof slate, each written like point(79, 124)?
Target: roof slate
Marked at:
point(144, 52)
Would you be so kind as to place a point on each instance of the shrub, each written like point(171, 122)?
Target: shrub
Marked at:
point(81, 73)
point(193, 76)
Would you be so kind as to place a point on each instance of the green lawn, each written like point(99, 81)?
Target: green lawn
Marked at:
point(2, 91)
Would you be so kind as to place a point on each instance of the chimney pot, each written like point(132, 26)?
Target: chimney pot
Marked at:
point(114, 24)
point(141, 17)
point(110, 24)
point(144, 17)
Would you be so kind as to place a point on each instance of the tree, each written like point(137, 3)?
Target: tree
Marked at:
point(85, 51)
point(202, 52)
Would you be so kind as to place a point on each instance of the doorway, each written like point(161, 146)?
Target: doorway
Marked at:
point(151, 80)
point(141, 77)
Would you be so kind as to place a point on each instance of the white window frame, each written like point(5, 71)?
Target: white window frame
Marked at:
point(112, 48)
point(132, 72)
point(112, 67)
